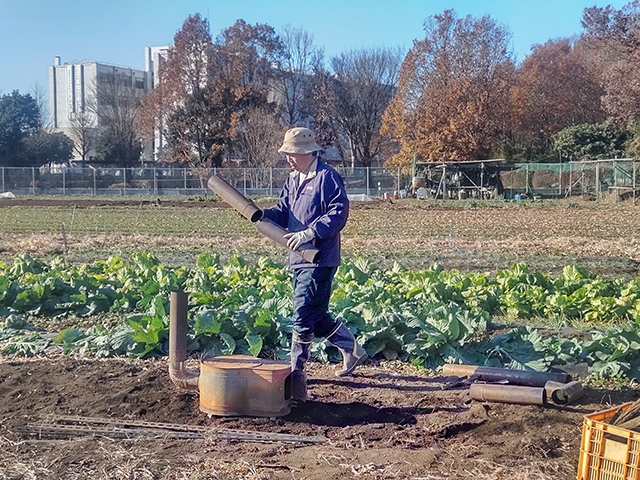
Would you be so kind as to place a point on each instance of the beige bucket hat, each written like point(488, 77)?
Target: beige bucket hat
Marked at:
point(299, 140)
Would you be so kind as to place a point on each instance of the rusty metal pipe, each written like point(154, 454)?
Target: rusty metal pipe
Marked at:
point(485, 392)
point(276, 233)
point(249, 210)
point(563, 393)
point(178, 342)
point(518, 377)
point(242, 204)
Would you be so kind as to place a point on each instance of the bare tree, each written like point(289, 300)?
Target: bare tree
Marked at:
point(299, 59)
point(258, 138)
point(116, 106)
point(352, 101)
point(39, 95)
point(83, 132)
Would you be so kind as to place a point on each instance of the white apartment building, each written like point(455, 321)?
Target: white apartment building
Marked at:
point(73, 86)
point(154, 56)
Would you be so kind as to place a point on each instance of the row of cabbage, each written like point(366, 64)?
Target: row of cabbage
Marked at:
point(426, 317)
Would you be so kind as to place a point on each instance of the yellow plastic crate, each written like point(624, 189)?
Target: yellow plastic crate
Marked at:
point(608, 452)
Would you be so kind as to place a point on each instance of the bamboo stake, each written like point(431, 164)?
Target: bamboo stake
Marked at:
point(64, 238)
point(73, 216)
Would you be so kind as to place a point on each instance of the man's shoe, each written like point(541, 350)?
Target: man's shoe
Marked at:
point(298, 386)
point(350, 360)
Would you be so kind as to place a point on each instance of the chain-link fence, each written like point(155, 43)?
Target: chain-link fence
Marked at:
point(603, 179)
point(612, 180)
point(64, 180)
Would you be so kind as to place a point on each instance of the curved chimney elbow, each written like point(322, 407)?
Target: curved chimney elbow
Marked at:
point(184, 379)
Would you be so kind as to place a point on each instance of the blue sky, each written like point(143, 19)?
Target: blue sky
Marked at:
point(33, 32)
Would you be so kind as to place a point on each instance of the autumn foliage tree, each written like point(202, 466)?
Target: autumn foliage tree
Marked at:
point(250, 53)
point(555, 89)
point(453, 97)
point(180, 107)
point(613, 39)
point(204, 88)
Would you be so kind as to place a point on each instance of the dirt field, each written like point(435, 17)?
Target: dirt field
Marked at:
point(387, 421)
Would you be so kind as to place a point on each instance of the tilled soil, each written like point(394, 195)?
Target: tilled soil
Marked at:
point(388, 420)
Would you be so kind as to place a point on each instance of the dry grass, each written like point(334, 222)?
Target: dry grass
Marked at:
point(604, 238)
point(46, 244)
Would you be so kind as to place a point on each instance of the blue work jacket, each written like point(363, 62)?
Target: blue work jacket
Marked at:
point(320, 203)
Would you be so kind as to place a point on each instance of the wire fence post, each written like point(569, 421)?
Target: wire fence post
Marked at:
point(155, 181)
point(95, 190)
point(124, 181)
point(615, 181)
point(33, 180)
point(398, 189)
point(244, 181)
point(570, 180)
point(184, 174)
point(3, 178)
point(64, 181)
point(597, 180)
point(560, 180)
point(367, 172)
point(271, 181)
point(634, 182)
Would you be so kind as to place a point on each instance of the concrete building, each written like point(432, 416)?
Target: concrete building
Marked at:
point(154, 57)
point(73, 87)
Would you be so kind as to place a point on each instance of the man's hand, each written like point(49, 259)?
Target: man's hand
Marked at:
point(295, 239)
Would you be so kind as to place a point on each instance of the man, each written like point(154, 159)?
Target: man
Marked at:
point(313, 207)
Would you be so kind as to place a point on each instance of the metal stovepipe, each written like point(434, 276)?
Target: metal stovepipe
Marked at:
point(519, 377)
point(242, 204)
point(178, 342)
point(276, 233)
point(249, 210)
point(486, 392)
point(563, 393)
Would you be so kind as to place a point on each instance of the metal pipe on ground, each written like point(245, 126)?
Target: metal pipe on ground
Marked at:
point(518, 377)
point(242, 204)
point(276, 233)
point(563, 393)
point(485, 392)
point(178, 342)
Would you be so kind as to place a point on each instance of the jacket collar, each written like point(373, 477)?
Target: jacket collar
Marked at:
point(301, 177)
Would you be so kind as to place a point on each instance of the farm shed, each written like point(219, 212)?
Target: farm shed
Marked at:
point(463, 179)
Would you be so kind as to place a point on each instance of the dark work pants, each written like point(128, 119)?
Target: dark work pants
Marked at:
point(311, 317)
